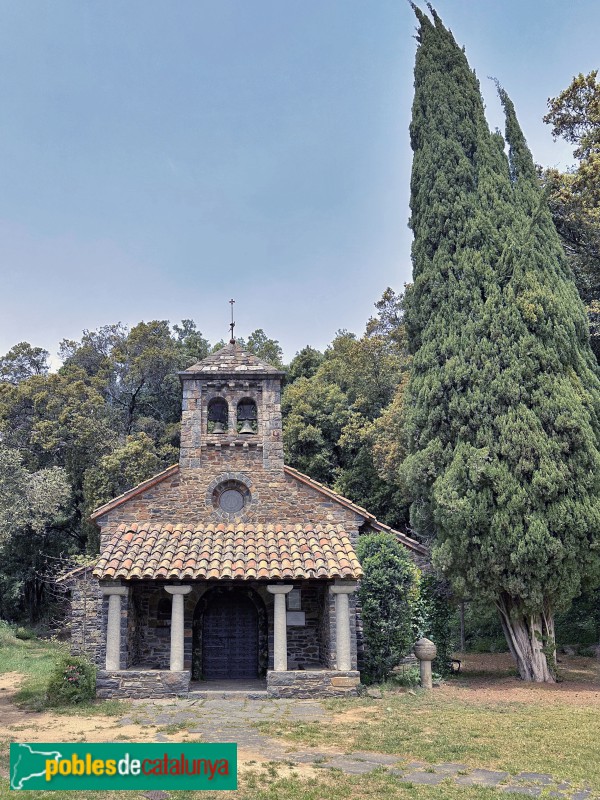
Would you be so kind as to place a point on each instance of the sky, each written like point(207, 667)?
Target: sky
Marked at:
point(159, 157)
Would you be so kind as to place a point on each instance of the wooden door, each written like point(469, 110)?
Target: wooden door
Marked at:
point(230, 638)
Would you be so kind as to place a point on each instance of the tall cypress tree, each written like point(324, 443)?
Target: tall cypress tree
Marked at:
point(502, 410)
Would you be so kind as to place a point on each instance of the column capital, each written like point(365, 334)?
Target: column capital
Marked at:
point(343, 588)
point(121, 591)
point(278, 588)
point(178, 589)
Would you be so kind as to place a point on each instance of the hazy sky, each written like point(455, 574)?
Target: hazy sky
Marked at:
point(158, 157)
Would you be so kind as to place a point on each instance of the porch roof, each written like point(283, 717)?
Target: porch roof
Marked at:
point(172, 551)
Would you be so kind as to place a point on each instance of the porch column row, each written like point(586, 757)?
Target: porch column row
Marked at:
point(342, 625)
point(113, 627)
point(177, 626)
point(342, 614)
point(279, 626)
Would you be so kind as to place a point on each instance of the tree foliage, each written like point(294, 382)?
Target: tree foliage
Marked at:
point(501, 413)
point(34, 507)
point(574, 196)
point(332, 400)
point(22, 361)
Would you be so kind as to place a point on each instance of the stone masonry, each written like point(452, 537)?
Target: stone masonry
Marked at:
point(312, 683)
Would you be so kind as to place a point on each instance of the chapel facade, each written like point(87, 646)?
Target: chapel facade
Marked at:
point(228, 566)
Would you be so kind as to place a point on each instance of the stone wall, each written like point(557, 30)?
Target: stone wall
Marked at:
point(312, 683)
point(303, 642)
point(184, 496)
point(142, 683)
point(87, 636)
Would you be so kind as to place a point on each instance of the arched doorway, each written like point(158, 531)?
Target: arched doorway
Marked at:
point(229, 635)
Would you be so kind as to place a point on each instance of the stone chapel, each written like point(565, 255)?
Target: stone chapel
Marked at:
point(228, 566)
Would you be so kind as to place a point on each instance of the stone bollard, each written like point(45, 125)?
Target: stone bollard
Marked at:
point(425, 651)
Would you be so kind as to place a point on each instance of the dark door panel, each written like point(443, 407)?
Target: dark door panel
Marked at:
point(230, 638)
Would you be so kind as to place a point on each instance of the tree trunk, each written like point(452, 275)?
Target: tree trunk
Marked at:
point(530, 639)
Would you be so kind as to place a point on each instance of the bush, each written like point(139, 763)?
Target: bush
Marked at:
point(388, 595)
point(25, 634)
point(7, 634)
point(72, 682)
point(409, 677)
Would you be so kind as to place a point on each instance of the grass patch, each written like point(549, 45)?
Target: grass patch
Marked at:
point(36, 660)
point(174, 727)
point(559, 739)
point(96, 708)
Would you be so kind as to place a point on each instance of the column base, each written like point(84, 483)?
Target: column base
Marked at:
point(142, 683)
point(306, 683)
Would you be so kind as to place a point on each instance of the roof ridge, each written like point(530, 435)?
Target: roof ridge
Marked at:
point(232, 358)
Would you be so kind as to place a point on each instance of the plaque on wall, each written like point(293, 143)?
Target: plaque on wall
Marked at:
point(296, 619)
point(294, 601)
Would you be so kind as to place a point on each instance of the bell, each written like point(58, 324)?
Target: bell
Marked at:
point(218, 427)
point(246, 427)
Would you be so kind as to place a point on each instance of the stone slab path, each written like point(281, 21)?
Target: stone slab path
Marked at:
point(233, 719)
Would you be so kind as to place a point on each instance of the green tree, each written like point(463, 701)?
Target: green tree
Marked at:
point(389, 601)
point(262, 347)
point(304, 364)
point(501, 414)
point(33, 509)
point(332, 401)
point(315, 413)
point(574, 196)
point(22, 361)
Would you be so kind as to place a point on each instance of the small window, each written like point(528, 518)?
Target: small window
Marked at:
point(231, 497)
point(247, 420)
point(218, 416)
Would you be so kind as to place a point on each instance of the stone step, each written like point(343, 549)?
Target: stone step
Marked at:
point(232, 694)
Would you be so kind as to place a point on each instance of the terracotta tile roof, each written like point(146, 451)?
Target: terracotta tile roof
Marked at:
point(231, 360)
point(227, 551)
point(343, 501)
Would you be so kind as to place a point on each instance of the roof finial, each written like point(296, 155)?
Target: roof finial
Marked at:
point(232, 325)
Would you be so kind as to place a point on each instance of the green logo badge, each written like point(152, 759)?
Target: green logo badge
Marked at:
point(123, 766)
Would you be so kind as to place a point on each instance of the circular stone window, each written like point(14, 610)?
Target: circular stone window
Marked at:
point(231, 497)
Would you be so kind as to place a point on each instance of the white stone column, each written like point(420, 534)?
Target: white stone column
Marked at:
point(343, 655)
point(113, 627)
point(177, 626)
point(280, 627)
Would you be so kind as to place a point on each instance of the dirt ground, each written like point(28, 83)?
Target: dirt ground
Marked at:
point(31, 726)
point(490, 678)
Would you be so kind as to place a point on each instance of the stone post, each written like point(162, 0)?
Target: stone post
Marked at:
point(425, 651)
point(177, 626)
point(113, 627)
point(343, 655)
point(279, 627)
